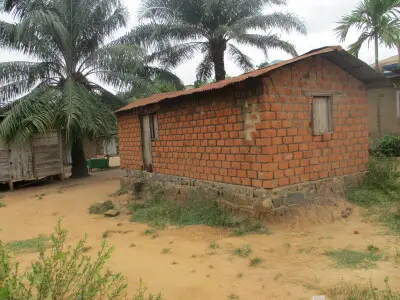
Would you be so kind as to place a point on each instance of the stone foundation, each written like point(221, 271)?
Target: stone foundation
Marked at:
point(241, 198)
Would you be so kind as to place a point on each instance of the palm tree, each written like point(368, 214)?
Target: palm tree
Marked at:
point(378, 21)
point(178, 29)
point(58, 90)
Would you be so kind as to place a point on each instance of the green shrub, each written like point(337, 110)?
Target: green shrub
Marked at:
point(63, 272)
point(198, 210)
point(389, 146)
point(243, 251)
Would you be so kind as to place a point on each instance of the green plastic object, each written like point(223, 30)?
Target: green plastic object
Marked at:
point(97, 163)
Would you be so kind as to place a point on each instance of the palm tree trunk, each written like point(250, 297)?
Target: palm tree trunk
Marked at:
point(398, 53)
point(218, 52)
point(377, 53)
point(79, 168)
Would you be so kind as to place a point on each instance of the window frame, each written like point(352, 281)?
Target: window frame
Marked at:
point(330, 129)
point(153, 121)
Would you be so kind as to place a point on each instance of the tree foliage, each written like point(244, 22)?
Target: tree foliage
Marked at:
point(377, 20)
point(60, 89)
point(179, 29)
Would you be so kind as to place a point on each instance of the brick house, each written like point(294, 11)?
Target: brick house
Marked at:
point(300, 124)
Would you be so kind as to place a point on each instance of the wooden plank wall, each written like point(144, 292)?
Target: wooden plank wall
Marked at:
point(4, 163)
point(47, 158)
point(21, 162)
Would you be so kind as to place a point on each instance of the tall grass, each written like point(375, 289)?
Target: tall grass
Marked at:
point(350, 291)
point(380, 191)
point(198, 210)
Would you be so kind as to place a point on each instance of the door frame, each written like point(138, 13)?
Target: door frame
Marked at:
point(147, 168)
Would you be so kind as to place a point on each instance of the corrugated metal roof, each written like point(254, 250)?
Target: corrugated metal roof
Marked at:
point(336, 54)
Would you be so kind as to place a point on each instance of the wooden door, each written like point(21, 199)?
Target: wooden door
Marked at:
point(21, 162)
point(47, 156)
point(146, 144)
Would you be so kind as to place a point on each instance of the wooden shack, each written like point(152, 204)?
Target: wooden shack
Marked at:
point(39, 158)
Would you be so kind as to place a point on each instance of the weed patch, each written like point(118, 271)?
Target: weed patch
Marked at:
point(30, 245)
point(256, 261)
point(380, 191)
point(243, 251)
point(345, 258)
point(165, 250)
point(160, 212)
point(2, 205)
point(344, 291)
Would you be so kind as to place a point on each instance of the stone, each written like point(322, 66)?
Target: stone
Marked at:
point(280, 211)
point(261, 193)
point(242, 200)
point(263, 205)
point(346, 213)
point(278, 201)
point(295, 199)
point(112, 213)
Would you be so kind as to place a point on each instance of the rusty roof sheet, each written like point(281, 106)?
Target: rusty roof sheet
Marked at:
point(336, 54)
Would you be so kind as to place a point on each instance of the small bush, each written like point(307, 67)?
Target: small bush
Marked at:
point(160, 212)
point(388, 146)
point(63, 272)
point(345, 258)
point(350, 291)
point(243, 251)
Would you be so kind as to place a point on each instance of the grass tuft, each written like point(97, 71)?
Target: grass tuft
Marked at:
point(2, 204)
point(213, 245)
point(345, 258)
point(27, 246)
point(165, 250)
point(198, 210)
point(243, 251)
point(256, 261)
point(352, 291)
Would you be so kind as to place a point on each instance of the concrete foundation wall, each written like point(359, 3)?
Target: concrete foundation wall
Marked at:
point(248, 200)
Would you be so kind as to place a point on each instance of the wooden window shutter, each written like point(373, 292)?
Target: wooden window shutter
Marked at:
point(322, 115)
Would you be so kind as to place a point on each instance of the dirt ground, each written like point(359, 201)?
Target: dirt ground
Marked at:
point(294, 265)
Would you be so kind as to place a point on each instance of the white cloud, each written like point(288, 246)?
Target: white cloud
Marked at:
point(320, 17)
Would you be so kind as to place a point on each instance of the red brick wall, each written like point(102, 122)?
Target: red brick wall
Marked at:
point(129, 141)
point(263, 138)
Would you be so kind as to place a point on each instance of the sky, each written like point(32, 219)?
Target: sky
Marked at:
point(320, 18)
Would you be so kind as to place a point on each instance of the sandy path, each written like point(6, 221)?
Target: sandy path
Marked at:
point(294, 265)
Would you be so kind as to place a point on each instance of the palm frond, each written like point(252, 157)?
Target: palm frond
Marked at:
point(241, 60)
point(354, 48)
point(281, 20)
point(205, 69)
point(265, 42)
point(171, 56)
point(32, 114)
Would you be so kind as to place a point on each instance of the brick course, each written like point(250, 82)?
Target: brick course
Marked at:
point(258, 133)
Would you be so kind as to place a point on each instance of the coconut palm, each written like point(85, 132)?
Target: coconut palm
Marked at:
point(178, 29)
point(59, 88)
point(378, 21)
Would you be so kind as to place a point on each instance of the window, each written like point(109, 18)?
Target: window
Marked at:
point(153, 126)
point(322, 115)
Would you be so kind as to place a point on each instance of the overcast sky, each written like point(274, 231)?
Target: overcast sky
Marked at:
point(319, 16)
